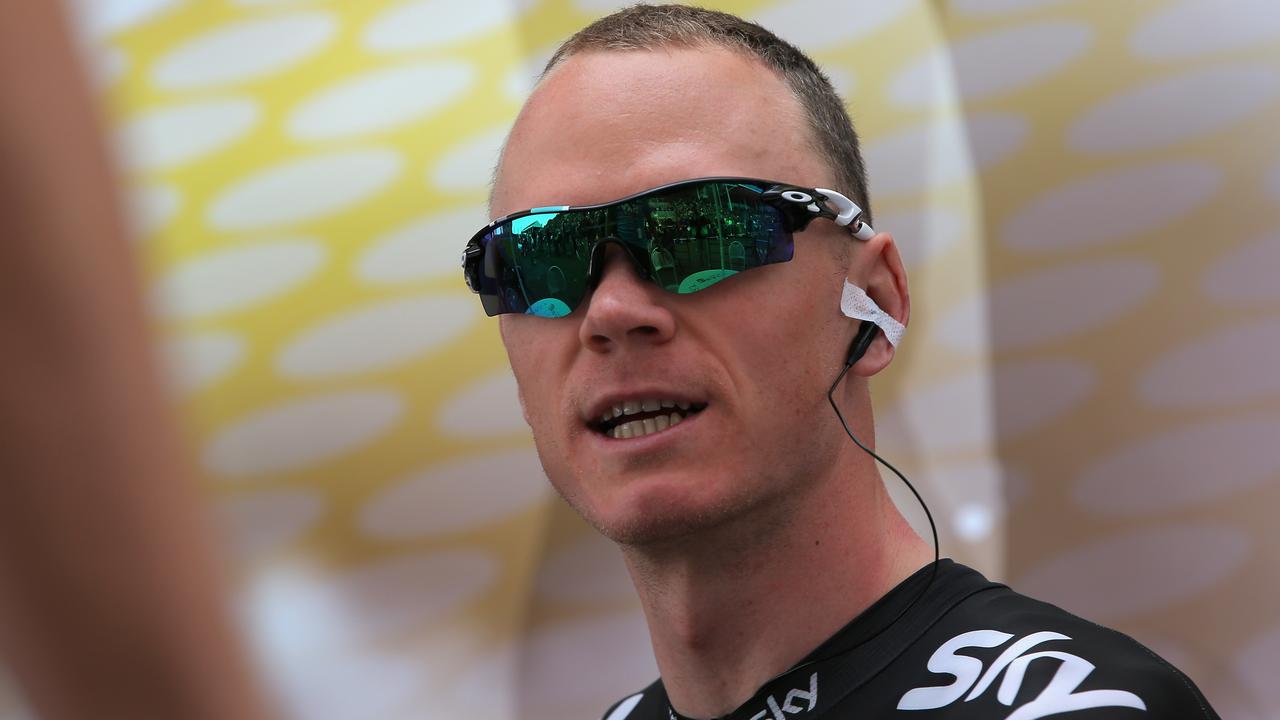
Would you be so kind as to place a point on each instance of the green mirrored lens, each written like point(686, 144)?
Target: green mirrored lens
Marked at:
point(684, 238)
point(549, 259)
point(702, 234)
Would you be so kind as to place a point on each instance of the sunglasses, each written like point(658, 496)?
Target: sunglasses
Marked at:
point(684, 236)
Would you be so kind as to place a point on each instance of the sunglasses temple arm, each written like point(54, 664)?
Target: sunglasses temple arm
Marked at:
point(848, 214)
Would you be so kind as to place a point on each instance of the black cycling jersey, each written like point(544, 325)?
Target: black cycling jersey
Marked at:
point(967, 649)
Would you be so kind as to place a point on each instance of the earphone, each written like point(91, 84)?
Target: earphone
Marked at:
point(861, 341)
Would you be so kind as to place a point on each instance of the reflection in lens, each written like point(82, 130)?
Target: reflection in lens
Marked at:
point(549, 257)
point(549, 307)
point(685, 239)
point(703, 279)
point(700, 234)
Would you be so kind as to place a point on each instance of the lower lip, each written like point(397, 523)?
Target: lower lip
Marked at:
point(652, 440)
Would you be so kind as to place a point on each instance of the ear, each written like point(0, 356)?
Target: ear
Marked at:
point(876, 266)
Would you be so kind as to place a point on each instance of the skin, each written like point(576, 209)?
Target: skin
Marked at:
point(755, 529)
point(112, 600)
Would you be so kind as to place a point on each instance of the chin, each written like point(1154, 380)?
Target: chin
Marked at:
point(659, 513)
point(638, 530)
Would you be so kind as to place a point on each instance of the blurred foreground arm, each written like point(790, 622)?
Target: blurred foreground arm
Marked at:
point(111, 604)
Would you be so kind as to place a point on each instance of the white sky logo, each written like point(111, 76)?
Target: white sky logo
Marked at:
point(1057, 697)
point(788, 704)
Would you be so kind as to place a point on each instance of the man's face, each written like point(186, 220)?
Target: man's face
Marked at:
point(758, 349)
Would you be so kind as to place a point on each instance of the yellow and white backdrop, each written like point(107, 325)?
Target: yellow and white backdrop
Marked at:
point(1087, 193)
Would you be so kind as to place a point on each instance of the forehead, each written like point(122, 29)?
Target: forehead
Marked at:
point(603, 125)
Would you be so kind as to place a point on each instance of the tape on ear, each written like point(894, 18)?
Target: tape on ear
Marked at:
point(855, 303)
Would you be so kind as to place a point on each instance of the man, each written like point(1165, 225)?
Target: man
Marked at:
point(689, 422)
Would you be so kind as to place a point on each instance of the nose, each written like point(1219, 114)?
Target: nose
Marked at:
point(624, 309)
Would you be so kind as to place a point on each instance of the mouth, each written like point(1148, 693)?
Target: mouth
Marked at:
point(641, 417)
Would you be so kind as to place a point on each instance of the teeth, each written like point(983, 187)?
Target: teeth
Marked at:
point(647, 426)
point(631, 407)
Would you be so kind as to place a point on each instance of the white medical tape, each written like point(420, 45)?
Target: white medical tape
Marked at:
point(855, 303)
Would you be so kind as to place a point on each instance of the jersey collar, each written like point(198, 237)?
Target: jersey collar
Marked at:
point(860, 649)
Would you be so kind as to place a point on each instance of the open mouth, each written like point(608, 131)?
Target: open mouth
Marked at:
point(638, 418)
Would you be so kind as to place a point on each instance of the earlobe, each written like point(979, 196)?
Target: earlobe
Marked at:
point(873, 346)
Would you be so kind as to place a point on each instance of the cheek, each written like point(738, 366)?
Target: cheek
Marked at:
point(540, 404)
point(530, 370)
point(793, 354)
point(533, 385)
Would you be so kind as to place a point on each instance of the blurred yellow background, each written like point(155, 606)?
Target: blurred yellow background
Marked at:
point(1087, 194)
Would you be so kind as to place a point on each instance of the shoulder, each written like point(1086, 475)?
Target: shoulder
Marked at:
point(1000, 650)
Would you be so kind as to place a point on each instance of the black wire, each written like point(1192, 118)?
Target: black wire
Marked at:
point(831, 399)
point(933, 528)
point(933, 573)
point(937, 558)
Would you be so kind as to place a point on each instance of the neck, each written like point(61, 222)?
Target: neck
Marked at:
point(739, 605)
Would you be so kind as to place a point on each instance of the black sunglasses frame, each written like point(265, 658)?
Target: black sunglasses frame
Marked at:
point(797, 204)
